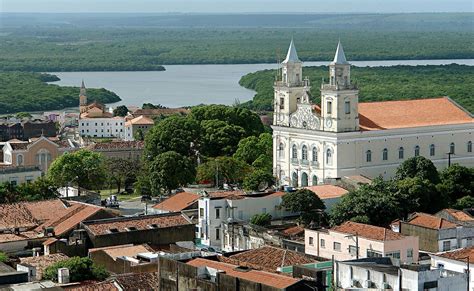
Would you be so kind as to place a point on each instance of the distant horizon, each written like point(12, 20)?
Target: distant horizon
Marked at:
point(238, 13)
point(238, 7)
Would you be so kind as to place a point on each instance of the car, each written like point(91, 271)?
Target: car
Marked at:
point(146, 198)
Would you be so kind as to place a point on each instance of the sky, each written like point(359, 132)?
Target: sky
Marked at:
point(237, 6)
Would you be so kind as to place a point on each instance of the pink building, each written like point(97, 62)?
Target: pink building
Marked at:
point(344, 240)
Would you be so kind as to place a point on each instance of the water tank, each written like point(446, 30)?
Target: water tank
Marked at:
point(63, 275)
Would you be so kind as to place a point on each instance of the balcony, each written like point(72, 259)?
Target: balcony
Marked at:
point(304, 162)
point(295, 161)
point(315, 164)
point(338, 87)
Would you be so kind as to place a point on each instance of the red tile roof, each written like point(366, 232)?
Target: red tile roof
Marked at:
point(47, 209)
point(103, 226)
point(328, 191)
point(16, 215)
point(459, 214)
point(11, 237)
point(368, 231)
point(293, 231)
point(123, 250)
point(411, 113)
point(459, 255)
point(265, 278)
point(270, 258)
point(42, 262)
point(178, 202)
point(140, 120)
point(430, 221)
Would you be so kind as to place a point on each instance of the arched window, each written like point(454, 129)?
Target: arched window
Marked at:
point(294, 179)
point(469, 146)
point(304, 153)
point(315, 180)
point(400, 153)
point(417, 151)
point(281, 150)
point(315, 154)
point(368, 156)
point(385, 154)
point(304, 180)
point(294, 152)
point(452, 148)
point(19, 160)
point(432, 150)
point(329, 157)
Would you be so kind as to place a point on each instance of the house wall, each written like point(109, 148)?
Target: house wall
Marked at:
point(119, 265)
point(428, 238)
point(346, 275)
point(453, 265)
point(20, 176)
point(381, 247)
point(13, 246)
point(102, 127)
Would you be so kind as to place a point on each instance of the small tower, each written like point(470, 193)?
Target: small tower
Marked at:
point(82, 98)
point(289, 87)
point(339, 98)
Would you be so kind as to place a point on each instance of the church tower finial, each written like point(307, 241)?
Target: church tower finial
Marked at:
point(291, 56)
point(339, 57)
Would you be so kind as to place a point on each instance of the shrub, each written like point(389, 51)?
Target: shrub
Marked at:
point(80, 269)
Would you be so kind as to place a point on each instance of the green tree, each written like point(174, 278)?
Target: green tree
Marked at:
point(170, 170)
point(8, 193)
point(464, 203)
point(418, 167)
point(220, 138)
point(40, 189)
point(262, 219)
point(3, 257)
point(258, 179)
point(416, 194)
point(84, 168)
point(23, 115)
point(121, 110)
point(80, 269)
point(228, 170)
point(175, 133)
point(457, 181)
point(376, 203)
point(139, 135)
point(121, 171)
point(307, 203)
point(252, 148)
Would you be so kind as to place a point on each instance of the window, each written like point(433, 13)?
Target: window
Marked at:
point(329, 107)
point(241, 214)
point(315, 154)
point(264, 210)
point(218, 232)
point(410, 253)
point(368, 156)
point(432, 150)
point(294, 177)
point(297, 77)
point(329, 157)
point(19, 159)
point(469, 242)
point(281, 149)
point(304, 180)
point(201, 212)
point(353, 250)
point(400, 153)
point(373, 254)
point(311, 241)
point(337, 246)
point(446, 245)
point(294, 152)
point(304, 153)
point(218, 213)
point(417, 151)
point(469, 146)
point(452, 148)
point(315, 180)
point(395, 255)
point(347, 107)
point(385, 154)
point(282, 103)
point(323, 243)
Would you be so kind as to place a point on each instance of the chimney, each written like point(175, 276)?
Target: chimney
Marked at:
point(63, 275)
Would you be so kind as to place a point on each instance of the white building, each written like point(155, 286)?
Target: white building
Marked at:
point(343, 137)
point(456, 261)
point(225, 207)
point(17, 175)
point(137, 126)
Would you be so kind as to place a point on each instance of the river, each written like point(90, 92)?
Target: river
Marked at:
point(182, 85)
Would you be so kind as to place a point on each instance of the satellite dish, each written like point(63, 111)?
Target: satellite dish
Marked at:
point(262, 186)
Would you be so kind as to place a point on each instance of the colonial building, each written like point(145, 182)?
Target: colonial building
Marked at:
point(342, 137)
point(95, 121)
point(137, 127)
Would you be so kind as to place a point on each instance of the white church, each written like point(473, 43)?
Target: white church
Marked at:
point(342, 137)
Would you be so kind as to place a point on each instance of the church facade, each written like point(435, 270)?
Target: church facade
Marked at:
point(343, 137)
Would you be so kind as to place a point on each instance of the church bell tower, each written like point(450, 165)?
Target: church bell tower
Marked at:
point(339, 97)
point(289, 87)
point(82, 98)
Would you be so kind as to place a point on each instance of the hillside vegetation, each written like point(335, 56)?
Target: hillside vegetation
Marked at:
point(20, 91)
point(378, 84)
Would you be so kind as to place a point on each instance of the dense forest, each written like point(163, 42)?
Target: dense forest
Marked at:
point(378, 84)
point(85, 42)
point(21, 91)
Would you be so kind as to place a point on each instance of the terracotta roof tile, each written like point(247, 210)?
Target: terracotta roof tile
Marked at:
point(411, 113)
point(328, 191)
point(42, 262)
point(224, 194)
point(430, 221)
point(124, 250)
point(271, 258)
point(141, 120)
point(93, 286)
point(11, 237)
point(293, 231)
point(368, 231)
point(16, 215)
point(178, 202)
point(459, 255)
point(459, 214)
point(265, 278)
point(46, 209)
point(145, 281)
point(103, 226)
